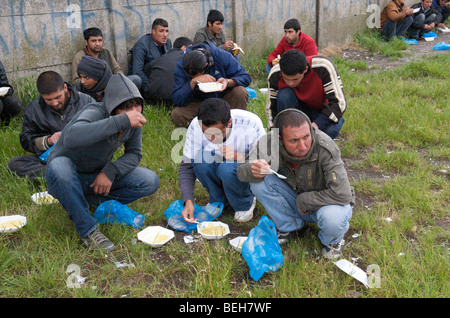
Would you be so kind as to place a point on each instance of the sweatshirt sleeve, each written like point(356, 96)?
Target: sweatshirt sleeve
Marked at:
point(278, 51)
point(186, 179)
point(181, 93)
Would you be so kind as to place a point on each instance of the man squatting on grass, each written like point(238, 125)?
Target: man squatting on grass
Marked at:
point(317, 188)
point(80, 171)
point(43, 120)
point(216, 141)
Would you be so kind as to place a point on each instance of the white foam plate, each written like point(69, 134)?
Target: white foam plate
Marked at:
point(12, 223)
point(215, 233)
point(155, 235)
point(210, 87)
point(429, 39)
point(264, 90)
point(352, 270)
point(3, 90)
point(416, 10)
point(43, 198)
point(237, 242)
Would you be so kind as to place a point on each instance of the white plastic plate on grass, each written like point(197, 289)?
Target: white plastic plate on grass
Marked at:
point(213, 230)
point(353, 270)
point(155, 235)
point(43, 198)
point(237, 242)
point(3, 90)
point(210, 87)
point(12, 223)
point(429, 39)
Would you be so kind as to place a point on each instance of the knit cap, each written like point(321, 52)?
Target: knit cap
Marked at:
point(92, 67)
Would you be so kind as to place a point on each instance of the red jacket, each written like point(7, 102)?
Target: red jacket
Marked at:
point(306, 44)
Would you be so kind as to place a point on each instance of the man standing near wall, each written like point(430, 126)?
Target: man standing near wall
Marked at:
point(93, 46)
point(293, 38)
point(148, 48)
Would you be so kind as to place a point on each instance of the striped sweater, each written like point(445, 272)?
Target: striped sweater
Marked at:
point(321, 89)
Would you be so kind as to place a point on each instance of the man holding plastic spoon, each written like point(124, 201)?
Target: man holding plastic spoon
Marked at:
point(317, 188)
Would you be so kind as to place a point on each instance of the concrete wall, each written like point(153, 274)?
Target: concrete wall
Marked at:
point(38, 35)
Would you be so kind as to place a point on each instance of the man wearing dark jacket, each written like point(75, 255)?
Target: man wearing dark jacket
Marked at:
point(160, 73)
point(81, 170)
point(148, 48)
point(205, 63)
point(316, 188)
point(425, 20)
point(44, 119)
point(10, 106)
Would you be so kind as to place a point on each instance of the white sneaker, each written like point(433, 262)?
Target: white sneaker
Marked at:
point(245, 216)
point(333, 251)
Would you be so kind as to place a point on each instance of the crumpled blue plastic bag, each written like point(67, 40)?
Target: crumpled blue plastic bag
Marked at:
point(410, 41)
point(251, 93)
point(205, 213)
point(114, 212)
point(261, 249)
point(429, 35)
point(441, 46)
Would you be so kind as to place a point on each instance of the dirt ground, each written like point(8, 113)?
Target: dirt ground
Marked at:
point(355, 53)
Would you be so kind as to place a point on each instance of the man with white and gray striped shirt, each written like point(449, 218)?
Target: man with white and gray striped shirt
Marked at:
point(310, 84)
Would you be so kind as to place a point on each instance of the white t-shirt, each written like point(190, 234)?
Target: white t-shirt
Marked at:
point(246, 129)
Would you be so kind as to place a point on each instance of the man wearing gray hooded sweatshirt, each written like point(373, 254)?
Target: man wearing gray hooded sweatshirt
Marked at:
point(80, 170)
point(316, 188)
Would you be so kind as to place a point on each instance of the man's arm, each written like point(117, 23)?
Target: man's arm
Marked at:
point(139, 60)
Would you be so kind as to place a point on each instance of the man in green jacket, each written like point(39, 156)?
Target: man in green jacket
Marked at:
point(316, 188)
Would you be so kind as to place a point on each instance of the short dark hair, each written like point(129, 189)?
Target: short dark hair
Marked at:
point(160, 22)
point(196, 62)
point(293, 62)
point(213, 16)
point(49, 82)
point(213, 111)
point(128, 104)
point(182, 41)
point(292, 24)
point(290, 118)
point(92, 32)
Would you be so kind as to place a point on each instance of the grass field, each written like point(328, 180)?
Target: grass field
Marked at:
point(395, 143)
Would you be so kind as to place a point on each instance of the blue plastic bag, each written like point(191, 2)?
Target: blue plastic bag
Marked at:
point(251, 92)
point(44, 156)
point(429, 35)
point(441, 46)
point(410, 41)
point(261, 249)
point(205, 213)
point(114, 212)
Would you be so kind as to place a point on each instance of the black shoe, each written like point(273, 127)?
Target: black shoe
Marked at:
point(284, 237)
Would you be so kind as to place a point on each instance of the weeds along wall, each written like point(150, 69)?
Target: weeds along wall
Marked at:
point(38, 35)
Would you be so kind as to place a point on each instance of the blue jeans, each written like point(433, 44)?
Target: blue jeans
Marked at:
point(73, 191)
point(220, 180)
point(416, 29)
point(392, 28)
point(287, 99)
point(279, 200)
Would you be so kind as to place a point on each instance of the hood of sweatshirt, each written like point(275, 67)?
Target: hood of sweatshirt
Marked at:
point(120, 89)
point(284, 153)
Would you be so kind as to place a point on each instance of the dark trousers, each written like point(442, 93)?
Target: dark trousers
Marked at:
point(9, 107)
point(28, 166)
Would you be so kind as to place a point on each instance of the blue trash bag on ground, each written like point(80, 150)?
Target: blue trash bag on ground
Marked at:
point(251, 93)
point(114, 212)
point(410, 41)
point(441, 46)
point(429, 35)
point(205, 213)
point(261, 249)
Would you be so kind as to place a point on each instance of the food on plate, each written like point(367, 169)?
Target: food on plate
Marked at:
point(212, 229)
point(11, 224)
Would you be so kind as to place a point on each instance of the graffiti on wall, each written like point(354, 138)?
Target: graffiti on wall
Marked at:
point(37, 30)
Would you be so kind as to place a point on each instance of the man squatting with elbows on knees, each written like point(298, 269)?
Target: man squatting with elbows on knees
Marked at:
point(216, 141)
point(317, 188)
point(80, 170)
